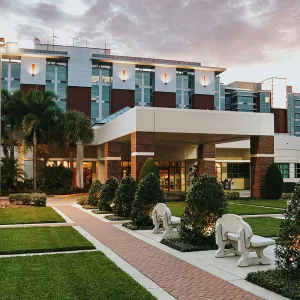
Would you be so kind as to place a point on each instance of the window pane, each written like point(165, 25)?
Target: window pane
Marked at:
point(62, 90)
point(95, 109)
point(62, 73)
point(62, 104)
point(50, 72)
point(49, 86)
point(15, 70)
point(14, 86)
point(4, 70)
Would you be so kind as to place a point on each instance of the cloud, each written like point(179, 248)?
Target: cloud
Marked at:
point(225, 32)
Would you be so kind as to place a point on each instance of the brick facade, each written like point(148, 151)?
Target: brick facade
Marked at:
point(206, 159)
point(112, 162)
point(260, 148)
point(142, 143)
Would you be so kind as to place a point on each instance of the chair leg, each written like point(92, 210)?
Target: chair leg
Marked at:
point(262, 259)
point(156, 228)
point(244, 261)
point(170, 233)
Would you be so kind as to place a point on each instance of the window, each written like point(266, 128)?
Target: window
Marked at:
point(184, 87)
point(101, 89)
point(144, 77)
point(238, 170)
point(11, 70)
point(56, 80)
point(285, 170)
point(297, 170)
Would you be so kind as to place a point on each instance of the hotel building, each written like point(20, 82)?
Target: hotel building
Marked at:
point(177, 112)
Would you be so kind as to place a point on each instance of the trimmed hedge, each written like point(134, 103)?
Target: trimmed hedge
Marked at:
point(95, 192)
point(274, 182)
point(149, 167)
point(232, 195)
point(107, 194)
point(36, 199)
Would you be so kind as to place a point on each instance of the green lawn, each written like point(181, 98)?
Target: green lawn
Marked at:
point(178, 207)
point(263, 202)
point(264, 226)
point(28, 215)
point(41, 239)
point(67, 276)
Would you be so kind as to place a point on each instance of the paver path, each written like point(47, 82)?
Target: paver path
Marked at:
point(177, 277)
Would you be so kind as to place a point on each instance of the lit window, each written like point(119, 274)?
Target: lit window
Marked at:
point(285, 170)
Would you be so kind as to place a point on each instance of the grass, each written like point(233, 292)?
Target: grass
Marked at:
point(264, 226)
point(41, 239)
point(278, 281)
point(178, 207)
point(115, 218)
point(262, 202)
point(87, 206)
point(29, 215)
point(71, 276)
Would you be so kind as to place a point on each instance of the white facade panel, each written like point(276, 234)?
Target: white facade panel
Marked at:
point(204, 82)
point(165, 79)
point(80, 67)
point(27, 68)
point(123, 76)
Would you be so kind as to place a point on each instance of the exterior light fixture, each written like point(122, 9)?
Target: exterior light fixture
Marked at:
point(124, 75)
point(204, 81)
point(33, 69)
point(166, 78)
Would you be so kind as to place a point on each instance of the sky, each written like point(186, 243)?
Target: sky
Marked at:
point(252, 39)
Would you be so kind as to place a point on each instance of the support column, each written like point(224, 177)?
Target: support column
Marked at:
point(142, 147)
point(112, 160)
point(79, 166)
point(262, 155)
point(207, 159)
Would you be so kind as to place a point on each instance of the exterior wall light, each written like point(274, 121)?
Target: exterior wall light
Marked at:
point(166, 78)
point(124, 75)
point(33, 69)
point(204, 81)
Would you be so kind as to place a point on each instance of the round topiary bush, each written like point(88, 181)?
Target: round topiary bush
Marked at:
point(108, 194)
point(274, 182)
point(205, 203)
point(125, 196)
point(148, 194)
point(287, 249)
point(95, 192)
point(149, 167)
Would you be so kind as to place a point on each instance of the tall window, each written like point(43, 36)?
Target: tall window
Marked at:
point(238, 170)
point(184, 88)
point(285, 170)
point(11, 73)
point(57, 81)
point(144, 78)
point(297, 170)
point(101, 89)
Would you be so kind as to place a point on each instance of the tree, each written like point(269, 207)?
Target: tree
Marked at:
point(287, 249)
point(148, 194)
point(42, 113)
point(125, 196)
point(95, 192)
point(13, 111)
point(205, 203)
point(77, 129)
point(149, 167)
point(274, 182)
point(108, 194)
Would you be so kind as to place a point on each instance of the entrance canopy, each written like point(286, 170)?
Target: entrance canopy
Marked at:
point(172, 125)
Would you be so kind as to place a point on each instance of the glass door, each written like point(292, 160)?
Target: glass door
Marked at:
point(164, 178)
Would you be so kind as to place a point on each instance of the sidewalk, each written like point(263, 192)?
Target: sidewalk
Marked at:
point(177, 277)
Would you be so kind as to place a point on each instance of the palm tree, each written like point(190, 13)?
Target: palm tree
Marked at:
point(13, 111)
point(77, 129)
point(43, 112)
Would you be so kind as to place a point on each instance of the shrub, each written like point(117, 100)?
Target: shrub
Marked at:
point(37, 199)
point(274, 182)
point(94, 193)
point(56, 180)
point(148, 194)
point(108, 194)
point(83, 200)
point(205, 203)
point(286, 196)
point(232, 195)
point(287, 249)
point(149, 167)
point(125, 196)
point(182, 197)
point(288, 187)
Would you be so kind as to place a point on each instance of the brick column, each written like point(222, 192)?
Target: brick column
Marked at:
point(262, 155)
point(207, 159)
point(142, 147)
point(112, 160)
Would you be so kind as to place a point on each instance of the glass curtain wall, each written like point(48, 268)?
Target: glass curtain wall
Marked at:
point(265, 106)
point(11, 74)
point(297, 113)
point(241, 101)
point(57, 81)
point(144, 83)
point(101, 90)
point(184, 88)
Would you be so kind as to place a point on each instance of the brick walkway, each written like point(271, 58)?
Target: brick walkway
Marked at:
point(177, 277)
